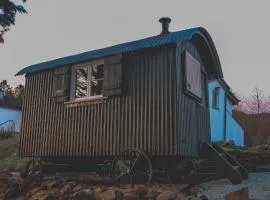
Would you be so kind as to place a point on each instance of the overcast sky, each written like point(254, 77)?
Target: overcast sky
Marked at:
point(53, 29)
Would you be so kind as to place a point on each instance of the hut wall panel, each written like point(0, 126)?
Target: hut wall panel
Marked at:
point(193, 118)
point(142, 117)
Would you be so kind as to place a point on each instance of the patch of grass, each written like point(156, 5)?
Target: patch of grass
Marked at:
point(9, 159)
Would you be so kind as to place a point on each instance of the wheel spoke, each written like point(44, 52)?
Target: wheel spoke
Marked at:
point(135, 164)
point(135, 161)
point(122, 175)
point(127, 165)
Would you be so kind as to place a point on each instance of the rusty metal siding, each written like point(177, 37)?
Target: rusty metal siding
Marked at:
point(193, 121)
point(143, 117)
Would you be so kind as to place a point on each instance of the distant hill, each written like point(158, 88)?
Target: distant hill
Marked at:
point(256, 127)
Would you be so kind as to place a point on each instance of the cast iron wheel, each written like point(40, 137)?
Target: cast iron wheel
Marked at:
point(132, 166)
point(33, 167)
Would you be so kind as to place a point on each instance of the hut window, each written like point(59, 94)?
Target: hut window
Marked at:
point(193, 76)
point(215, 98)
point(88, 79)
point(81, 82)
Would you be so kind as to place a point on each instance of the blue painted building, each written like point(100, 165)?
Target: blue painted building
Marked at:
point(10, 111)
point(223, 126)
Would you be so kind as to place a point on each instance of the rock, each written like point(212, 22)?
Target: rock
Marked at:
point(195, 198)
point(151, 194)
point(241, 194)
point(77, 188)
point(130, 196)
point(100, 189)
point(109, 194)
point(167, 195)
point(141, 191)
point(180, 196)
point(203, 197)
point(85, 194)
point(32, 192)
point(41, 195)
point(67, 188)
point(51, 184)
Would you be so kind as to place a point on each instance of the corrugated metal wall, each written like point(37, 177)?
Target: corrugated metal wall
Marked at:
point(143, 117)
point(192, 117)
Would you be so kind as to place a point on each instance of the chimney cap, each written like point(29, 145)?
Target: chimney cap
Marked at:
point(165, 21)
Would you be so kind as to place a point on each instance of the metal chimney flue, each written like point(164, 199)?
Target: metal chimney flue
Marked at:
point(165, 21)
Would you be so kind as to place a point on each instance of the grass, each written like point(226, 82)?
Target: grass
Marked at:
point(9, 159)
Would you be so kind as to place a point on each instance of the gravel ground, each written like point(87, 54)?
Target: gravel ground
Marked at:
point(258, 187)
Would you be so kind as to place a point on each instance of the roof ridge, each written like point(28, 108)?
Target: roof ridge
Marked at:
point(151, 41)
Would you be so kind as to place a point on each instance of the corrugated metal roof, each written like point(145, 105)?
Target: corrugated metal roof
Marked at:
point(173, 37)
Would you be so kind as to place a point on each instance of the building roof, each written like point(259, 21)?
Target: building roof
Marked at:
point(11, 102)
point(154, 41)
point(229, 92)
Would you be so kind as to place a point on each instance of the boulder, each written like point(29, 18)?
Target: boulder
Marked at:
point(180, 196)
point(106, 195)
point(65, 189)
point(77, 188)
point(151, 194)
point(141, 191)
point(131, 196)
point(85, 194)
point(167, 195)
point(241, 194)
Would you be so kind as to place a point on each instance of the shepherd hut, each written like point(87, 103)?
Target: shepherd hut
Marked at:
point(148, 94)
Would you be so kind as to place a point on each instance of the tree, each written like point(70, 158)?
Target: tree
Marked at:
point(19, 91)
point(8, 11)
point(4, 86)
point(257, 105)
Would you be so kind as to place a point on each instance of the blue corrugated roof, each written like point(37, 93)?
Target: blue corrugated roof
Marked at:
point(173, 37)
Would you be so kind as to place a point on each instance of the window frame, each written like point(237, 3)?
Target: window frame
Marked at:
point(89, 65)
point(188, 91)
point(216, 91)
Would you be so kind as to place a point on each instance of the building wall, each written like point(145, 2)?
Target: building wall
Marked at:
point(216, 115)
point(143, 117)
point(193, 124)
point(234, 131)
point(10, 114)
point(229, 106)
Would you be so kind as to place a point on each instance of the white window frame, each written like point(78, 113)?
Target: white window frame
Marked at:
point(89, 66)
point(193, 65)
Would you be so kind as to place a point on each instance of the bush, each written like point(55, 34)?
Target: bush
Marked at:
point(9, 159)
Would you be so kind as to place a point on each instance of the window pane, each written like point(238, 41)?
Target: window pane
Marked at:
point(193, 75)
point(96, 87)
point(81, 82)
point(97, 71)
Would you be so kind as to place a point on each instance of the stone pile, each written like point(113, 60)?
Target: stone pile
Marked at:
point(80, 187)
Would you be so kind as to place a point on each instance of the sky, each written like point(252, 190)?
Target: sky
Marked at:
point(52, 29)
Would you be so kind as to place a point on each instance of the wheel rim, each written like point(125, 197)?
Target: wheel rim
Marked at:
point(132, 166)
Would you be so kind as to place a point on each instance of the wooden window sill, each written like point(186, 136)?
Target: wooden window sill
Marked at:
point(85, 101)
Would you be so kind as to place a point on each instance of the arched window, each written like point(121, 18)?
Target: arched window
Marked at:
point(215, 98)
